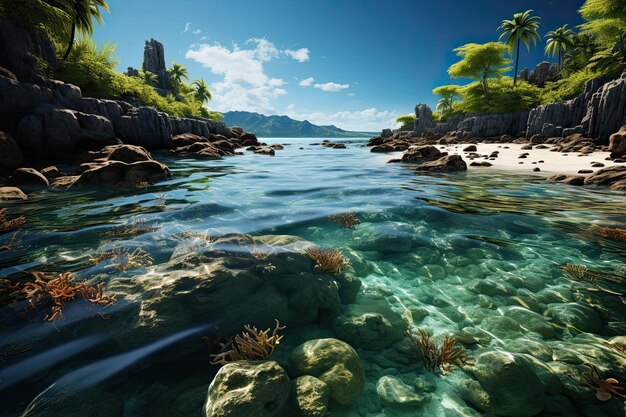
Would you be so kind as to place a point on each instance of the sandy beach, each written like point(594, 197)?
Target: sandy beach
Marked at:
point(544, 159)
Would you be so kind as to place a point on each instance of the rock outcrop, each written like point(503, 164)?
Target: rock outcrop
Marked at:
point(11, 156)
point(22, 50)
point(617, 143)
point(154, 61)
point(492, 125)
point(423, 119)
point(249, 389)
point(335, 363)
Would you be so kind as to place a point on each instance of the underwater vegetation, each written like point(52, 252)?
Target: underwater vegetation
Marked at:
point(8, 224)
point(328, 261)
point(604, 388)
point(123, 259)
point(128, 230)
point(58, 289)
point(438, 357)
point(347, 220)
point(251, 344)
point(611, 233)
point(582, 273)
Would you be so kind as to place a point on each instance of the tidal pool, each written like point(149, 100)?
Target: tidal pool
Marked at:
point(479, 255)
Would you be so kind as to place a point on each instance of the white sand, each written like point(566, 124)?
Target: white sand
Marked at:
point(508, 159)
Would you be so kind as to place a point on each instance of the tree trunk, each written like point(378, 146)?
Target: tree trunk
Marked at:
point(69, 47)
point(516, 63)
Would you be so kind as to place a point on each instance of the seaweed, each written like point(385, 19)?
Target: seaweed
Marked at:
point(582, 273)
point(611, 233)
point(438, 358)
point(347, 220)
point(128, 230)
point(328, 261)
point(59, 289)
point(251, 344)
point(122, 259)
point(604, 388)
point(10, 224)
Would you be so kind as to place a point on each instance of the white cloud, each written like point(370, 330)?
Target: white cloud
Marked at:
point(307, 82)
point(300, 55)
point(370, 120)
point(187, 26)
point(331, 87)
point(245, 85)
point(197, 32)
point(204, 38)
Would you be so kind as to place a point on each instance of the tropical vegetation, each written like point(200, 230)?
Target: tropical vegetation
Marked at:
point(407, 122)
point(69, 24)
point(595, 49)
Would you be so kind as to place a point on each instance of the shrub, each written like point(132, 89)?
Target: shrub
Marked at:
point(567, 87)
point(502, 97)
point(407, 122)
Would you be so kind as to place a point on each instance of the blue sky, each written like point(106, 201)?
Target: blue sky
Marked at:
point(355, 64)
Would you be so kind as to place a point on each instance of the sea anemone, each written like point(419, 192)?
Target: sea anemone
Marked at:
point(328, 261)
point(251, 344)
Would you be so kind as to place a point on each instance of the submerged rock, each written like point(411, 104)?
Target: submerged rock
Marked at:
point(581, 317)
point(123, 175)
point(334, 362)
point(248, 389)
point(506, 386)
point(28, 177)
point(368, 331)
point(395, 393)
point(12, 193)
point(309, 396)
point(446, 163)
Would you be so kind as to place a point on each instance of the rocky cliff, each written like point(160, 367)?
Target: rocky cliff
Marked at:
point(23, 52)
point(597, 113)
point(154, 61)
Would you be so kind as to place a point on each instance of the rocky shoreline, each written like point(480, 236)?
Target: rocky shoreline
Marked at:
point(569, 127)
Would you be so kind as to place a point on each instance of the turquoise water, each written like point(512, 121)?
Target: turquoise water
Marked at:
point(454, 253)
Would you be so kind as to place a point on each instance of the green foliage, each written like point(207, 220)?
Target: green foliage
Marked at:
point(149, 78)
point(567, 87)
point(522, 28)
point(559, 42)
point(606, 22)
point(37, 14)
point(407, 122)
point(448, 94)
point(501, 98)
point(93, 70)
point(480, 62)
point(177, 73)
point(201, 91)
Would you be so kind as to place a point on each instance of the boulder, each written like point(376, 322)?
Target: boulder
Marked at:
point(506, 386)
point(396, 394)
point(617, 143)
point(186, 139)
point(446, 163)
point(370, 331)
point(123, 175)
point(568, 179)
point(580, 316)
point(200, 150)
point(334, 362)
point(122, 153)
point(27, 177)
point(607, 176)
point(309, 396)
point(246, 388)
point(386, 133)
point(12, 193)
point(421, 154)
point(265, 150)
point(470, 148)
point(11, 156)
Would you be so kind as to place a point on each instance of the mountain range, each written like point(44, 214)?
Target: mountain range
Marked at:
point(284, 126)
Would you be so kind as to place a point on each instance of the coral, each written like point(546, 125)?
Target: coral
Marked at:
point(12, 244)
point(251, 344)
point(328, 261)
point(604, 388)
point(122, 259)
point(438, 358)
point(7, 224)
point(582, 273)
point(59, 289)
point(347, 220)
point(132, 229)
point(611, 233)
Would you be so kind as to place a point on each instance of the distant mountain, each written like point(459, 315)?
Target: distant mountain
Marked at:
point(283, 126)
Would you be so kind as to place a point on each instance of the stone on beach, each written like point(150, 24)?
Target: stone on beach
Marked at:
point(27, 177)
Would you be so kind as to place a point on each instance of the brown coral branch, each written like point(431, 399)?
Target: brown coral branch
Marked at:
point(7, 224)
point(328, 261)
point(347, 220)
point(251, 344)
point(611, 233)
point(604, 388)
point(438, 358)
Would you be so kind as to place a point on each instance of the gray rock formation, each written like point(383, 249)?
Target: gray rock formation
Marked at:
point(540, 74)
point(54, 117)
point(21, 49)
point(606, 112)
point(154, 61)
point(423, 119)
point(544, 119)
point(491, 125)
point(523, 75)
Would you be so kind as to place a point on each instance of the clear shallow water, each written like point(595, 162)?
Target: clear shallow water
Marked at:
point(447, 252)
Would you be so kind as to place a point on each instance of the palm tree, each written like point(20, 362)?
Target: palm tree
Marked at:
point(522, 28)
point(178, 72)
point(149, 78)
point(445, 104)
point(81, 13)
point(202, 92)
point(559, 42)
